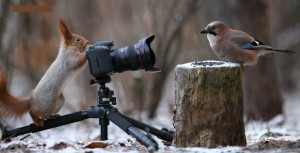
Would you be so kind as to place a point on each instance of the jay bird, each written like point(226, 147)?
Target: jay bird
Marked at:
point(236, 46)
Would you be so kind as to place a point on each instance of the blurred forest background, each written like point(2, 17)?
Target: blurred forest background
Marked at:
point(30, 41)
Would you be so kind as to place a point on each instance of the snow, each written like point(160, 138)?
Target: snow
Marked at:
point(208, 64)
point(73, 137)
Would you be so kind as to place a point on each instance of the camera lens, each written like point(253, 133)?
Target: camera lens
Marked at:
point(134, 57)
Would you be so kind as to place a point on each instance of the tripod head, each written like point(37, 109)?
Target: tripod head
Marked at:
point(106, 97)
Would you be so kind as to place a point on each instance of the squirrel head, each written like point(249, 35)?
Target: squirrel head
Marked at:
point(77, 42)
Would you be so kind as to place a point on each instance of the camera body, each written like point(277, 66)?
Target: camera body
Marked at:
point(104, 61)
point(99, 58)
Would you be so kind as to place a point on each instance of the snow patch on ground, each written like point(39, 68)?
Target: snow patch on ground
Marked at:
point(72, 138)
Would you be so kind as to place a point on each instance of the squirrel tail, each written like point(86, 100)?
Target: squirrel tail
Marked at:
point(11, 106)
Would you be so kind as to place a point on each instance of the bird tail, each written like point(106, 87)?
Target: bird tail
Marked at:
point(11, 106)
point(265, 49)
point(280, 51)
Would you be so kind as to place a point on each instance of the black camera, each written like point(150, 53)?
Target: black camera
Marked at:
point(104, 61)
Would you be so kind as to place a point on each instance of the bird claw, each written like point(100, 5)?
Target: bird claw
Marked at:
point(242, 67)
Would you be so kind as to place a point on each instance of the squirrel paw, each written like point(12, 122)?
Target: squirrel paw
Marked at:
point(37, 120)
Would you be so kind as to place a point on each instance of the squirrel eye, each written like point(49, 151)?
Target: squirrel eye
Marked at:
point(77, 39)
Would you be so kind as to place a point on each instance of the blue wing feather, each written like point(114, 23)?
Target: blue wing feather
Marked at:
point(253, 45)
point(247, 46)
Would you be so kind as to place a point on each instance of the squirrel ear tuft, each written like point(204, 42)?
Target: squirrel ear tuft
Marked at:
point(65, 33)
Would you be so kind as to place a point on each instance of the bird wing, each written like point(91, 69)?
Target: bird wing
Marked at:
point(245, 41)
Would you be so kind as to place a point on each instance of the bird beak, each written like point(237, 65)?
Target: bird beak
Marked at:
point(204, 31)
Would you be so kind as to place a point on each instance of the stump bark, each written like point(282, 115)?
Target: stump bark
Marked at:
point(209, 105)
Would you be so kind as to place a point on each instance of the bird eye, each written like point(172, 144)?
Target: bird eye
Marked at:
point(77, 39)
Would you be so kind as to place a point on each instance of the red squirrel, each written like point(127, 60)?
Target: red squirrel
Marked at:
point(46, 99)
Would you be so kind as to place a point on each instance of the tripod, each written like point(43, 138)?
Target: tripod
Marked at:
point(105, 112)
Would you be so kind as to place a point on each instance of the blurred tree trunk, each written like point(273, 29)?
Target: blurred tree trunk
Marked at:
point(82, 23)
point(4, 10)
point(169, 45)
point(167, 20)
point(285, 29)
point(3, 20)
point(262, 98)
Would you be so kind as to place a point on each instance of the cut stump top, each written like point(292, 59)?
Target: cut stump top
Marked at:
point(208, 64)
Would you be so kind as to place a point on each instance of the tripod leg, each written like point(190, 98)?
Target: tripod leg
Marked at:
point(104, 122)
point(114, 116)
point(32, 128)
point(163, 134)
point(93, 112)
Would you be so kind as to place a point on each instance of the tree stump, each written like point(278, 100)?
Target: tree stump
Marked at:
point(209, 105)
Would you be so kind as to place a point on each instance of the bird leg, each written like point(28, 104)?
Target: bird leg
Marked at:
point(242, 67)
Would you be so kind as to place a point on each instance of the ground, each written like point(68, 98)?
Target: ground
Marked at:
point(281, 134)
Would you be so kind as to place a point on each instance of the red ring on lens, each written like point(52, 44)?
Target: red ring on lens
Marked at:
point(139, 54)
